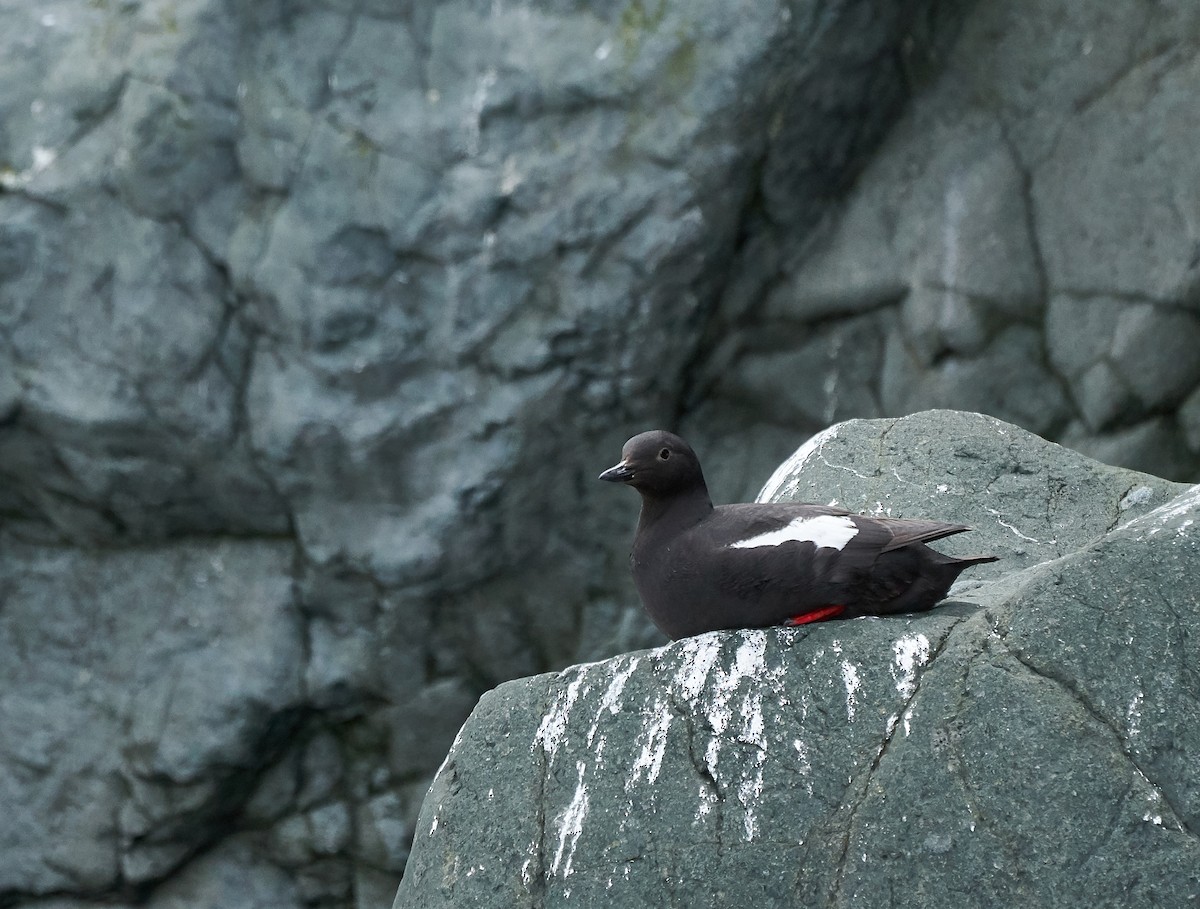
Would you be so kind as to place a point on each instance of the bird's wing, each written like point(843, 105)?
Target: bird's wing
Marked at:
point(783, 559)
point(905, 532)
point(779, 559)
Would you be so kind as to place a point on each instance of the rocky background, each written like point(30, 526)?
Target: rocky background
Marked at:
point(317, 321)
point(1030, 742)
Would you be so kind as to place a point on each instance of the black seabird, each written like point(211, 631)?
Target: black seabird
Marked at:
point(698, 568)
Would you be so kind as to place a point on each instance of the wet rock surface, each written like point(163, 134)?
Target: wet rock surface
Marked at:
point(1026, 742)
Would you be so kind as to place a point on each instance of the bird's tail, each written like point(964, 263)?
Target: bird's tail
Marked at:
point(968, 561)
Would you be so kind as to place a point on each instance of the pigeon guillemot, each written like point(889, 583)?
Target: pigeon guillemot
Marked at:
point(698, 568)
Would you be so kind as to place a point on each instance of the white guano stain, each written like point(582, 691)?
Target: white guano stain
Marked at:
point(889, 727)
point(433, 826)
point(450, 754)
point(785, 475)
point(571, 826)
point(803, 764)
point(722, 679)
point(749, 792)
point(610, 701)
point(1007, 526)
point(853, 683)
point(909, 654)
point(1176, 513)
point(825, 531)
point(851, 679)
point(753, 732)
point(698, 655)
point(1154, 804)
point(1158, 808)
point(747, 664)
point(553, 728)
point(732, 701)
point(653, 739)
point(532, 851)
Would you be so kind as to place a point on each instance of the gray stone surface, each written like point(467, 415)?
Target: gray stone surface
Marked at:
point(1023, 243)
point(136, 702)
point(1030, 742)
point(366, 293)
point(314, 319)
point(1027, 499)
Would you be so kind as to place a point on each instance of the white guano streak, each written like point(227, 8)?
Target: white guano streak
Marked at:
point(553, 728)
point(785, 473)
point(825, 531)
point(653, 739)
point(749, 665)
point(732, 701)
point(697, 656)
point(610, 703)
point(909, 654)
point(851, 679)
point(1172, 514)
point(572, 824)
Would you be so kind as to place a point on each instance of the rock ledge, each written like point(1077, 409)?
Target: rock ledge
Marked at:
point(1026, 743)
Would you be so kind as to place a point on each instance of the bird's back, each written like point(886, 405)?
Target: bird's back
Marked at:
point(757, 565)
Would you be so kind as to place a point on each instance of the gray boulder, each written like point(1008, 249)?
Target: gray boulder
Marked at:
point(313, 320)
point(1030, 742)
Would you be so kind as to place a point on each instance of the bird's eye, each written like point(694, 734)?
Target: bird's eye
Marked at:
point(664, 454)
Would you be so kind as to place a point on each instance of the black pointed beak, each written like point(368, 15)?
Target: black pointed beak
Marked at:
point(618, 473)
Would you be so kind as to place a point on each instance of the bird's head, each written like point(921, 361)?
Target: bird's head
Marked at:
point(657, 464)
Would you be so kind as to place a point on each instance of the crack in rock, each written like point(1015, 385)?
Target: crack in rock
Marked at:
point(1071, 690)
point(909, 688)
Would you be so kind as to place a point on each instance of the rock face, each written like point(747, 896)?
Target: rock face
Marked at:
point(1031, 742)
point(1023, 243)
point(311, 317)
point(350, 297)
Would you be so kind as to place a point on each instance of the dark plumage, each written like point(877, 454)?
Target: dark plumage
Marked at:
point(698, 568)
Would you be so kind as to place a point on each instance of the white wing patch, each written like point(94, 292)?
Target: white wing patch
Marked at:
point(826, 531)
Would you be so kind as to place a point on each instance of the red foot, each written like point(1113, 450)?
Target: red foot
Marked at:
point(817, 615)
